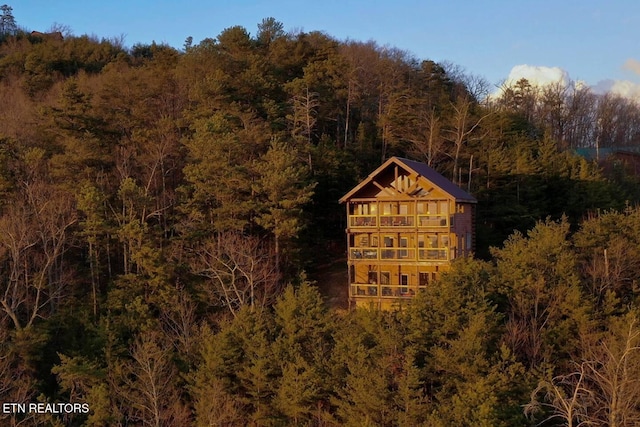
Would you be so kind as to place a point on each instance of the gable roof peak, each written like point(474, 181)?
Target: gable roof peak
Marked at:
point(420, 169)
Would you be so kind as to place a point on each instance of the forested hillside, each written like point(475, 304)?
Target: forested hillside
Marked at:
point(164, 213)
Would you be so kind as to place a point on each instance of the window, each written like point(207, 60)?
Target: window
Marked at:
point(385, 277)
point(373, 277)
point(423, 279)
point(388, 241)
point(404, 283)
point(364, 241)
point(404, 243)
point(363, 209)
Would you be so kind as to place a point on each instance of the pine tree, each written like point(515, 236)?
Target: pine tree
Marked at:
point(7, 21)
point(283, 189)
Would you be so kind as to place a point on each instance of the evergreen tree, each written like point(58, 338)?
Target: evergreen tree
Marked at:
point(8, 25)
point(546, 308)
point(282, 189)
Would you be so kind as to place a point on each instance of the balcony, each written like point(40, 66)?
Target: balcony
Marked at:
point(396, 221)
point(383, 291)
point(433, 220)
point(402, 254)
point(362, 220)
point(363, 253)
point(420, 220)
point(433, 254)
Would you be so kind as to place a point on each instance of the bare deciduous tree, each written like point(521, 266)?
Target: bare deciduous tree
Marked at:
point(33, 240)
point(146, 385)
point(426, 138)
point(180, 323)
point(605, 387)
point(566, 396)
point(17, 385)
point(463, 125)
point(241, 271)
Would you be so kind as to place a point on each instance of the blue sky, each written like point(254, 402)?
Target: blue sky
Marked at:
point(588, 39)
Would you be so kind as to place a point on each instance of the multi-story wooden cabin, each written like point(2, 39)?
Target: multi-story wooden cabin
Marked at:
point(406, 223)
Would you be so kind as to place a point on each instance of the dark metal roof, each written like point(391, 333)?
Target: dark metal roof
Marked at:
point(591, 153)
point(439, 180)
point(421, 169)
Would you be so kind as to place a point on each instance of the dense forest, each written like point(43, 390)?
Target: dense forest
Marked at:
point(165, 213)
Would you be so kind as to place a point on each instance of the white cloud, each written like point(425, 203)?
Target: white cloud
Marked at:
point(632, 65)
point(624, 88)
point(538, 75)
point(541, 76)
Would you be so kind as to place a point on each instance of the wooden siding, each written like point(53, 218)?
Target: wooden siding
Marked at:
point(402, 232)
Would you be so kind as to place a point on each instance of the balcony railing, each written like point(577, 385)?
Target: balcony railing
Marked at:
point(433, 220)
point(362, 220)
point(402, 253)
point(439, 254)
point(363, 253)
point(366, 290)
point(420, 220)
point(431, 254)
point(396, 220)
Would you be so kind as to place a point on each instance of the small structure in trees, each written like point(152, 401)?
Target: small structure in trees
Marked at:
point(55, 35)
point(405, 224)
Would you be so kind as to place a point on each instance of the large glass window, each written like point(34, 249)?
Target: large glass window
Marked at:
point(373, 277)
point(363, 208)
point(404, 243)
point(432, 208)
point(404, 282)
point(385, 277)
point(424, 279)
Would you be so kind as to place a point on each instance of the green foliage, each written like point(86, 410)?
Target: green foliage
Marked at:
point(85, 382)
point(220, 174)
point(8, 24)
point(609, 259)
point(471, 376)
point(547, 309)
point(282, 190)
point(121, 169)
